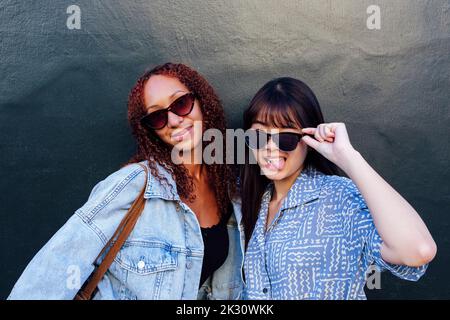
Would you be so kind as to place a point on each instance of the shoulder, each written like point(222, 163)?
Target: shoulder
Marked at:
point(341, 195)
point(343, 190)
point(129, 175)
point(339, 185)
point(118, 189)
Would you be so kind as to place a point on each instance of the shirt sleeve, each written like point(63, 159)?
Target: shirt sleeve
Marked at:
point(373, 253)
point(363, 227)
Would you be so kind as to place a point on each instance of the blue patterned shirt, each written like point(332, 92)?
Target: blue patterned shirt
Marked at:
point(320, 244)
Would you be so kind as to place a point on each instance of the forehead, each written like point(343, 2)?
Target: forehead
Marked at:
point(158, 89)
point(274, 129)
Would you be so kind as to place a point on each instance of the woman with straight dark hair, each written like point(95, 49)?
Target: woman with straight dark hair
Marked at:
point(312, 233)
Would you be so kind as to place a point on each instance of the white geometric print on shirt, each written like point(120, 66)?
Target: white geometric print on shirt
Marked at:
point(319, 245)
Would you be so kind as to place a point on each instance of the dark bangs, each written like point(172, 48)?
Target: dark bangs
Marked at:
point(278, 116)
point(273, 108)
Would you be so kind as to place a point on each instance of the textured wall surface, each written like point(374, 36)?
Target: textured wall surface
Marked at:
point(63, 97)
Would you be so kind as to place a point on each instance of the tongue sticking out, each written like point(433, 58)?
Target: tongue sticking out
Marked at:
point(277, 164)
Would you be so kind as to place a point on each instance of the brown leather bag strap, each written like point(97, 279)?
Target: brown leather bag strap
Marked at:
point(120, 236)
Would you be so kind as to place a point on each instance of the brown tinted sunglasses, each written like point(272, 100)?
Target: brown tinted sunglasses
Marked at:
point(158, 119)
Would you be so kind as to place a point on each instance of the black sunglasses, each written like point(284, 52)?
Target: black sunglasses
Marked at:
point(182, 106)
point(285, 141)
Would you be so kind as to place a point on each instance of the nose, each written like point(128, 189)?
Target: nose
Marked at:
point(271, 145)
point(173, 120)
point(272, 149)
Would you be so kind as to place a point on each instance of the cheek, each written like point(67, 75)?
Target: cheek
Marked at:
point(297, 156)
point(162, 134)
point(256, 155)
point(196, 113)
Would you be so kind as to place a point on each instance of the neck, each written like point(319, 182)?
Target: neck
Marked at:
point(282, 187)
point(195, 170)
point(191, 160)
point(193, 164)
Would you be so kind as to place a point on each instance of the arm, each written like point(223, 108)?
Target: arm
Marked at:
point(64, 263)
point(58, 270)
point(406, 239)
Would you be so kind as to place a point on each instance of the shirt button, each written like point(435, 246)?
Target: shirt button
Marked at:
point(265, 290)
point(188, 265)
point(141, 265)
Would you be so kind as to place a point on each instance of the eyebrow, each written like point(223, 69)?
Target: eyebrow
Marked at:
point(170, 97)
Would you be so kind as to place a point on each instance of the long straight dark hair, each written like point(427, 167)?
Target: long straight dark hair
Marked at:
point(283, 103)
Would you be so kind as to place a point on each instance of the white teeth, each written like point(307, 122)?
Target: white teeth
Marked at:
point(181, 133)
point(274, 159)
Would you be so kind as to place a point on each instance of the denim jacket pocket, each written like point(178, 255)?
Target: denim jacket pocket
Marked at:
point(144, 257)
point(146, 269)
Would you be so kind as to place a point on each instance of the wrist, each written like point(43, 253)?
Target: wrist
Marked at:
point(349, 160)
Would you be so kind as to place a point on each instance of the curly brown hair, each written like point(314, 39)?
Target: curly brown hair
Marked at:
point(221, 177)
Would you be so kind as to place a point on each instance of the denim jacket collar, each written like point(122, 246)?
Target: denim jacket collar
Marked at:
point(159, 189)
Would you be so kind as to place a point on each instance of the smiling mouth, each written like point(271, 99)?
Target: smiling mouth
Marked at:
point(178, 136)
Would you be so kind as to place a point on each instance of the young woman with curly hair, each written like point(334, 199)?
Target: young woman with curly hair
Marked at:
point(187, 243)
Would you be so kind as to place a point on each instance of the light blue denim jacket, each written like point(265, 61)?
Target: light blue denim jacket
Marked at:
point(161, 259)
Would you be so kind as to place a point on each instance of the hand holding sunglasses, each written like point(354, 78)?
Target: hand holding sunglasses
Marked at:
point(331, 141)
point(158, 119)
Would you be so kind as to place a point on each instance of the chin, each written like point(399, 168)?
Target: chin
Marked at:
point(274, 175)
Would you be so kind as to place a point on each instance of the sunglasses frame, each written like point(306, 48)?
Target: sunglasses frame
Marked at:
point(166, 111)
point(276, 141)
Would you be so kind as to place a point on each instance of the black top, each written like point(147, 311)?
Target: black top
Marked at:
point(215, 240)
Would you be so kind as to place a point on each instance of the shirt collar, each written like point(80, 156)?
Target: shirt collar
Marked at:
point(306, 188)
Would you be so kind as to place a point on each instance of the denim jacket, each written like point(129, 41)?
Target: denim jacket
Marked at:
point(161, 259)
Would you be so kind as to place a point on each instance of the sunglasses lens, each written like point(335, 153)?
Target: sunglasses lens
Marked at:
point(183, 105)
point(287, 141)
point(256, 139)
point(158, 119)
point(155, 120)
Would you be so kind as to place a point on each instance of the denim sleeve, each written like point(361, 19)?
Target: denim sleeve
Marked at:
point(364, 228)
point(58, 270)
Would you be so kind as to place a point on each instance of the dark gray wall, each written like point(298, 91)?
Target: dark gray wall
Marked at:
point(63, 97)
